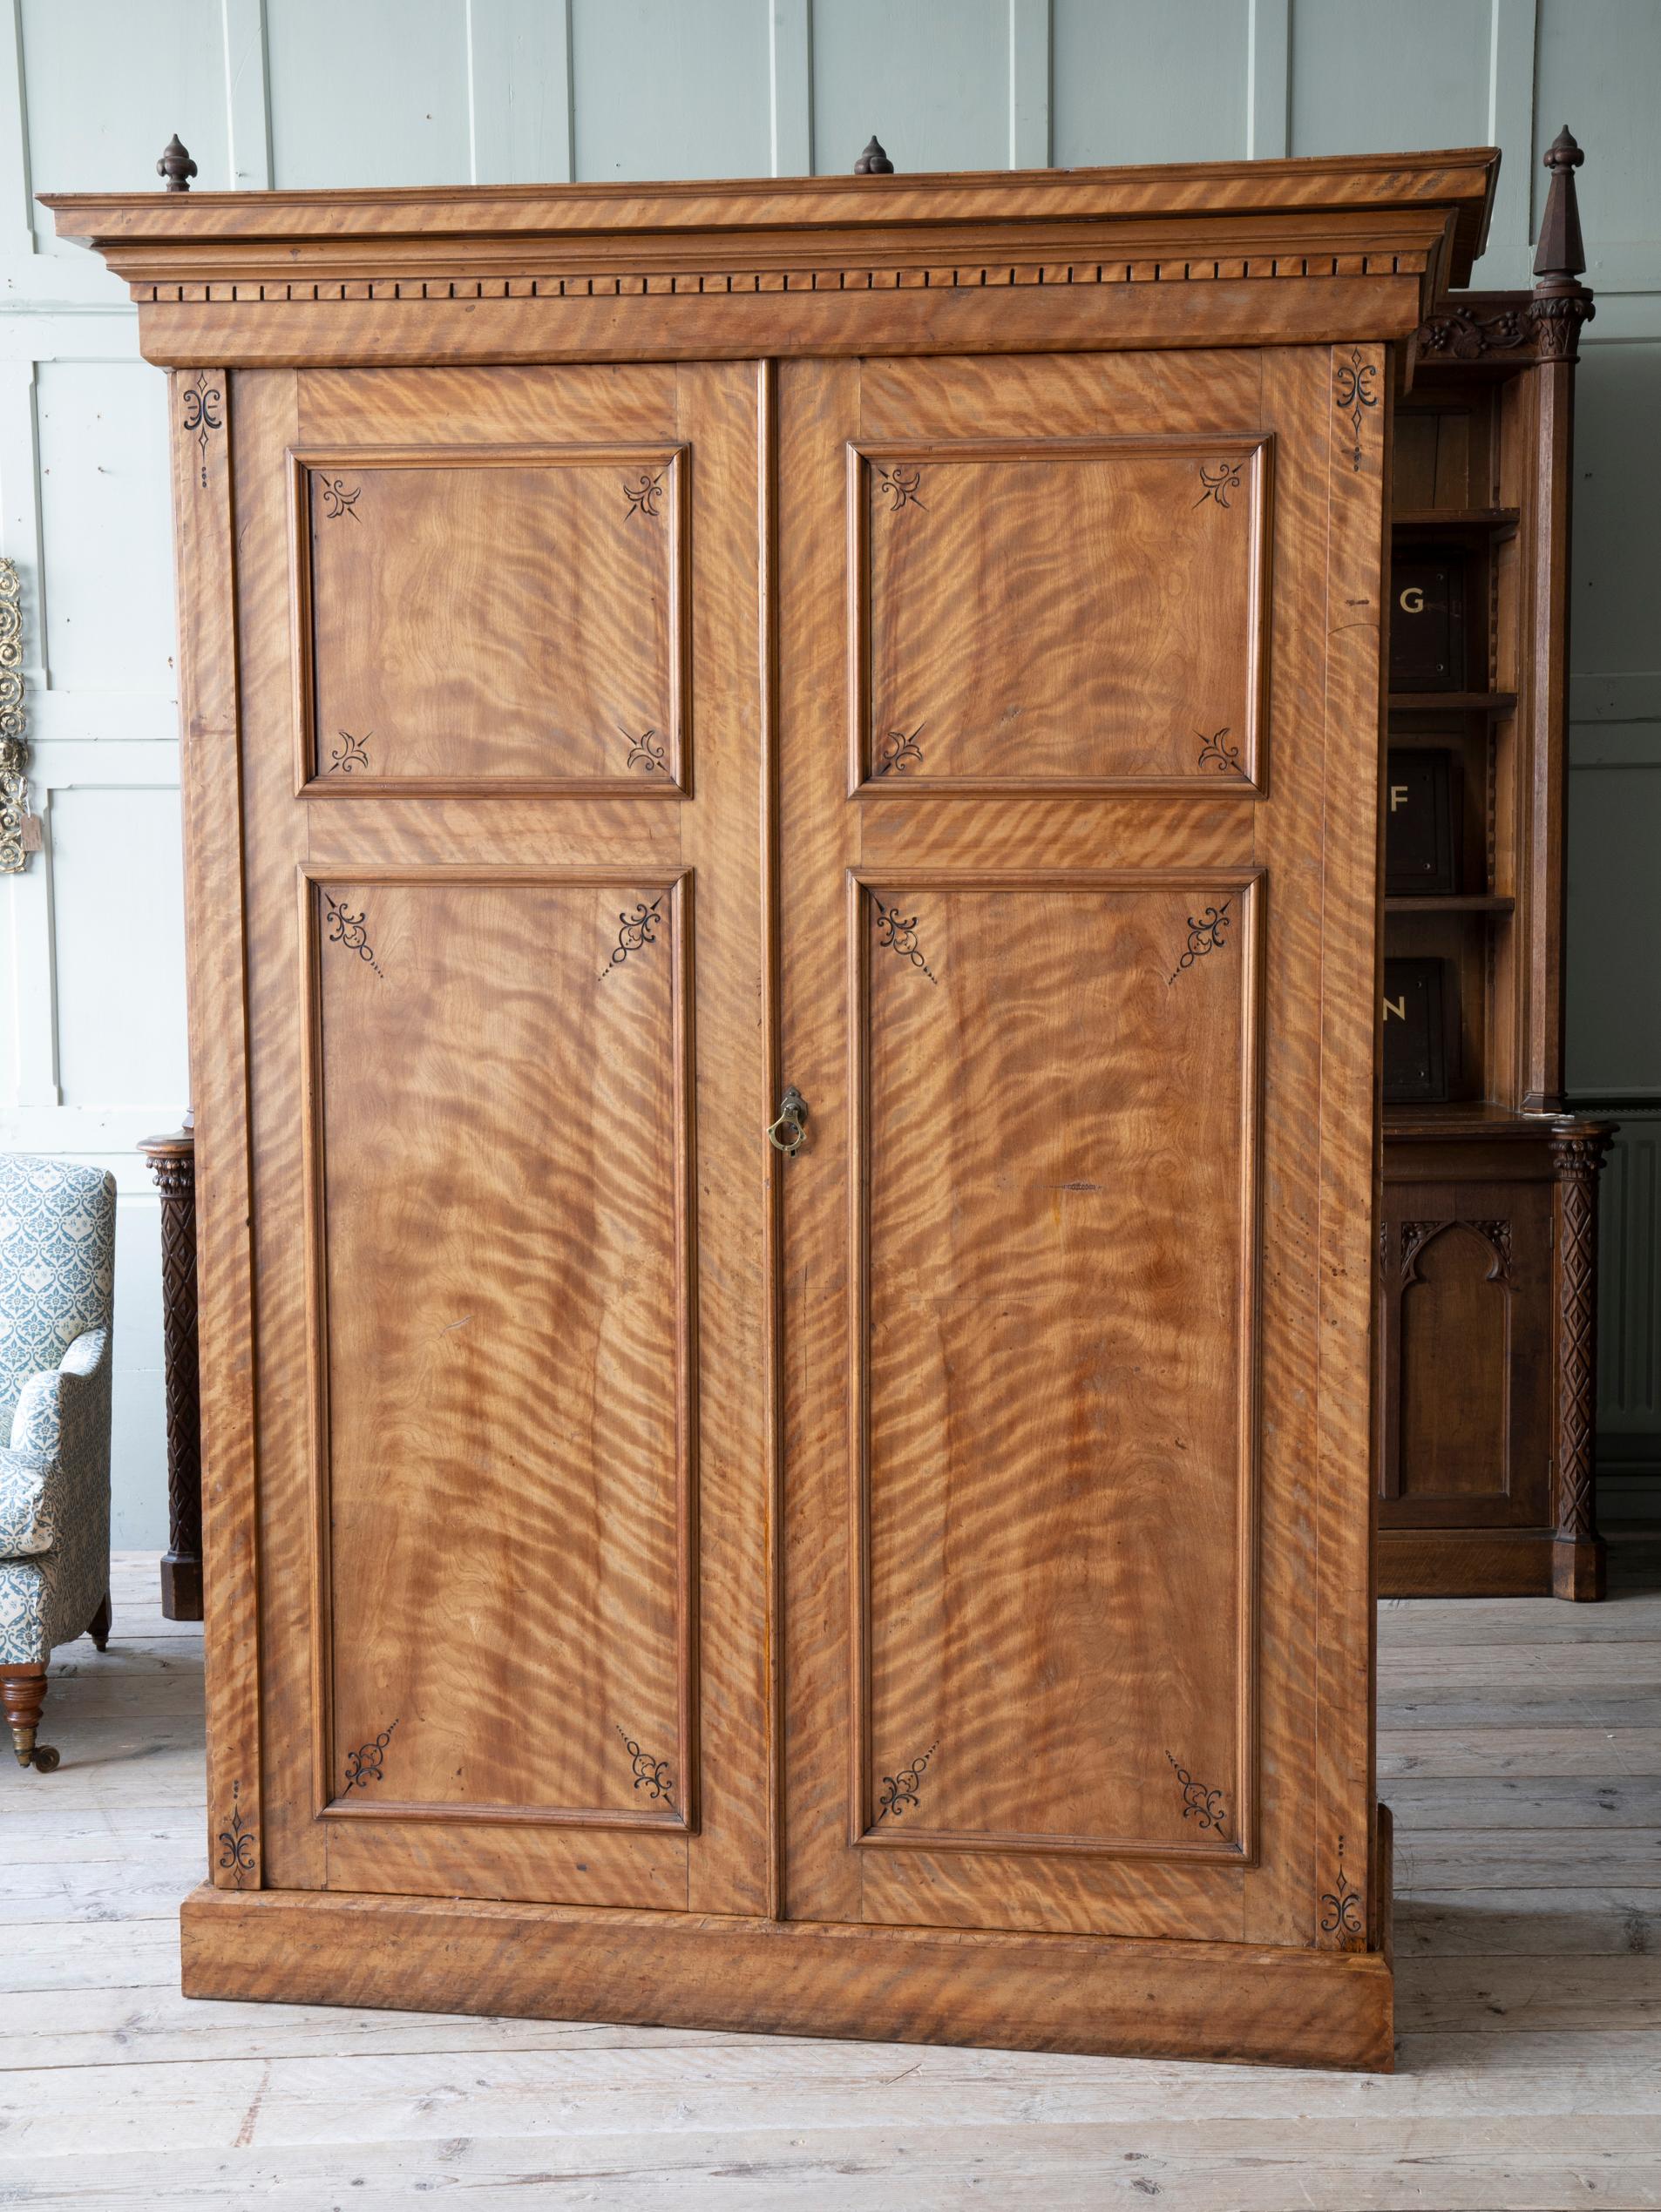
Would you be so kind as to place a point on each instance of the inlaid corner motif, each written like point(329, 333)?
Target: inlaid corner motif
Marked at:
point(1342, 1913)
point(1217, 753)
point(351, 753)
point(897, 933)
point(900, 1789)
point(1216, 483)
point(1206, 933)
point(645, 494)
point(368, 1763)
point(201, 407)
point(900, 487)
point(1355, 395)
point(1208, 1806)
point(653, 1776)
point(639, 929)
point(237, 1853)
point(337, 501)
point(898, 752)
point(352, 930)
point(645, 752)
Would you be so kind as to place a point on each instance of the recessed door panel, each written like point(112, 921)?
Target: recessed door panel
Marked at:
point(1059, 612)
point(1055, 1074)
point(504, 620)
point(503, 1334)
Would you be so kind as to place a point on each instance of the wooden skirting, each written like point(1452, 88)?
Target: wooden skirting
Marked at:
point(1184, 2000)
point(1465, 1563)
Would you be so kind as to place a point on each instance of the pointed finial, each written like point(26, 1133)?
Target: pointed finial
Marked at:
point(1560, 303)
point(873, 162)
point(176, 165)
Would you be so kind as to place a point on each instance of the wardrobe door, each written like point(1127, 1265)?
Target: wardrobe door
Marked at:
point(498, 634)
point(1079, 766)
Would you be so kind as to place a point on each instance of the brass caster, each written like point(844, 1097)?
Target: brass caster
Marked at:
point(46, 1759)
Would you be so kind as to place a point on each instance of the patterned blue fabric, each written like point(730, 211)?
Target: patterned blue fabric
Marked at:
point(56, 1281)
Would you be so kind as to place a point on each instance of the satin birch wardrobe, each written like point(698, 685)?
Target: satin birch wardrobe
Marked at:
point(782, 787)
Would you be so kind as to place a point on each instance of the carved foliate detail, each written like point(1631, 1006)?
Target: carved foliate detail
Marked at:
point(239, 1851)
point(638, 930)
point(897, 932)
point(899, 1790)
point(343, 927)
point(1458, 334)
point(1206, 1806)
point(1207, 932)
point(1577, 1156)
point(1343, 1908)
point(368, 1763)
point(653, 1776)
point(1355, 392)
point(174, 1170)
point(201, 411)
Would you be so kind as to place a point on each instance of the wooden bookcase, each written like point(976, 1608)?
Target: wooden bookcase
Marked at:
point(1486, 1281)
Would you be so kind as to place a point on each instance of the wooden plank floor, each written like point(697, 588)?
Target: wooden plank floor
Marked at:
point(1520, 1743)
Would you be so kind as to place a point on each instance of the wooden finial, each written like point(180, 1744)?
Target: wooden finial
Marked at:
point(1560, 301)
point(873, 162)
point(176, 165)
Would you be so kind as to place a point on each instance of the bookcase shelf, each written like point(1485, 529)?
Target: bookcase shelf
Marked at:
point(1450, 902)
point(1453, 702)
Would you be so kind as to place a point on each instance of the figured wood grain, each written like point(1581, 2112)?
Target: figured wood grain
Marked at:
point(749, 1433)
point(205, 535)
point(510, 620)
point(1011, 1145)
point(1058, 613)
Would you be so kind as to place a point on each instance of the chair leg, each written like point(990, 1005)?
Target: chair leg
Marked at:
point(22, 1691)
point(98, 1628)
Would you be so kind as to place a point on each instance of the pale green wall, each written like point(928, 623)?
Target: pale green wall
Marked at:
point(411, 91)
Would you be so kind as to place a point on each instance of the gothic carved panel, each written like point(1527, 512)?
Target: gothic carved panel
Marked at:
point(1060, 614)
point(503, 620)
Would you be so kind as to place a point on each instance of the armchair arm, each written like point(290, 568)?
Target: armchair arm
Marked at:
point(59, 1446)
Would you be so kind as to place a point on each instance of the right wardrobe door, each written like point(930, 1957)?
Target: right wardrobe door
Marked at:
point(1078, 901)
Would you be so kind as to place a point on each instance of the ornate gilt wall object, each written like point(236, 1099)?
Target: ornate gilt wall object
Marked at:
point(653, 1776)
point(368, 1763)
point(1205, 934)
point(639, 929)
point(19, 829)
point(1208, 1806)
point(900, 1791)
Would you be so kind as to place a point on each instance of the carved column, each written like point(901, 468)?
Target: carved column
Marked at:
point(173, 1162)
point(1577, 1150)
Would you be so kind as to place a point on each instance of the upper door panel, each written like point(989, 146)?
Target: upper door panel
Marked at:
point(491, 619)
point(1059, 613)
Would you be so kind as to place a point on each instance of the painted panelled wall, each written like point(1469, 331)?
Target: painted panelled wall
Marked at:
point(317, 92)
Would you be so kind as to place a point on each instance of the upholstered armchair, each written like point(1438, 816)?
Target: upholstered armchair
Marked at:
point(56, 1294)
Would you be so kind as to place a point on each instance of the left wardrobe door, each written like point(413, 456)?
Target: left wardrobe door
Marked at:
point(508, 1085)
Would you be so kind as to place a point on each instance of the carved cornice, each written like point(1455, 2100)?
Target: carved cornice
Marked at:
point(972, 275)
